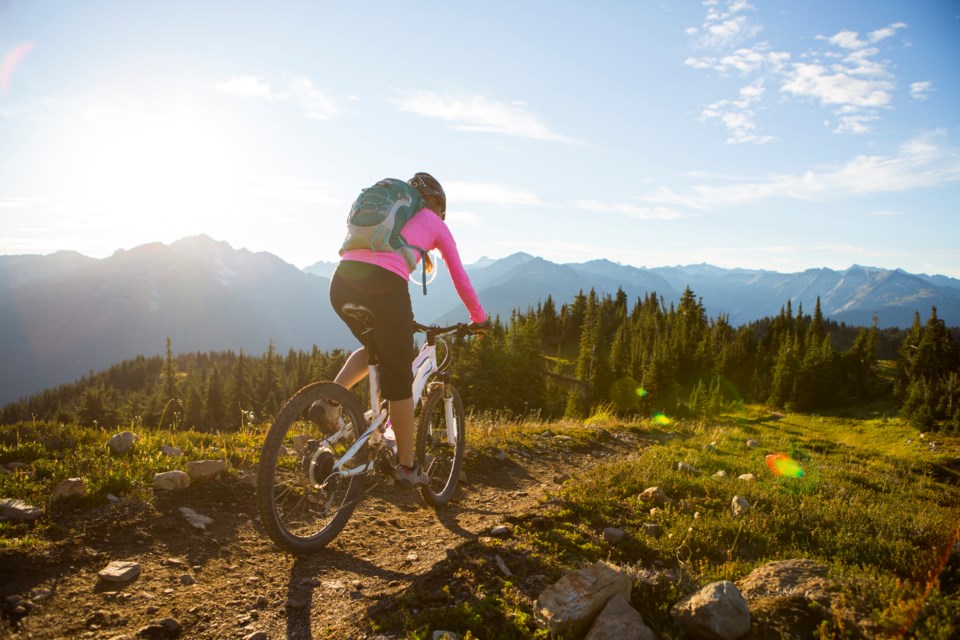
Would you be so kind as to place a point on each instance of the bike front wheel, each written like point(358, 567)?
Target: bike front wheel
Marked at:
point(303, 502)
point(441, 440)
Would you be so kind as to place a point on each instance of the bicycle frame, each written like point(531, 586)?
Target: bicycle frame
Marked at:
point(424, 366)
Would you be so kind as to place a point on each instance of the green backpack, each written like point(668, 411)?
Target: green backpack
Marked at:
point(377, 217)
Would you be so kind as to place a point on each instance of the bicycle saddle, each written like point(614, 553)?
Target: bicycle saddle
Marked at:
point(359, 312)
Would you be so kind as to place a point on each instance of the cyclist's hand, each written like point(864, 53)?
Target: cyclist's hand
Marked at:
point(480, 327)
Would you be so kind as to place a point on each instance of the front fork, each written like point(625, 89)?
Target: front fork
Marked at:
point(449, 415)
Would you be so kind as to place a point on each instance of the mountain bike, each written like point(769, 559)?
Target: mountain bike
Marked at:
point(309, 482)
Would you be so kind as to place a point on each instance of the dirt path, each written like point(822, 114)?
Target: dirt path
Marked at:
point(231, 582)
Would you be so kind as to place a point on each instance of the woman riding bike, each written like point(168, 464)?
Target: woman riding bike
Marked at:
point(377, 280)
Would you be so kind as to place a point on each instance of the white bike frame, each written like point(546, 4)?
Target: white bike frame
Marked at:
point(424, 365)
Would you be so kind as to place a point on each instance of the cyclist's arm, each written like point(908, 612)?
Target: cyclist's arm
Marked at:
point(461, 281)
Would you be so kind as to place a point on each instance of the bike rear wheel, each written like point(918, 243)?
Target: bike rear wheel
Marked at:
point(440, 451)
point(303, 504)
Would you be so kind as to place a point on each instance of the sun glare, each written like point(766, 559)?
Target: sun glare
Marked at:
point(146, 167)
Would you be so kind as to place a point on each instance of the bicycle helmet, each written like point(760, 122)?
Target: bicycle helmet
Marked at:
point(431, 191)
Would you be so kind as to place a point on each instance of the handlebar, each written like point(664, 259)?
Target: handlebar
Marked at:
point(461, 328)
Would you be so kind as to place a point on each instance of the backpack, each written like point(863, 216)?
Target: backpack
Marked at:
point(377, 217)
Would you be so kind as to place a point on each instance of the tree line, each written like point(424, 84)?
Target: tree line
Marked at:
point(646, 357)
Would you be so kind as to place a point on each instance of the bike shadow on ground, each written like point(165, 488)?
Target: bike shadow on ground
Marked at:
point(306, 576)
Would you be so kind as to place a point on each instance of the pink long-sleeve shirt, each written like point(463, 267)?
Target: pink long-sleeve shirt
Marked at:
point(428, 232)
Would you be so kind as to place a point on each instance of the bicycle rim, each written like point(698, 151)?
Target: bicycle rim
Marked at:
point(441, 459)
point(303, 504)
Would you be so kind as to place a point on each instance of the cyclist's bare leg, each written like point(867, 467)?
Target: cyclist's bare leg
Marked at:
point(401, 416)
point(354, 369)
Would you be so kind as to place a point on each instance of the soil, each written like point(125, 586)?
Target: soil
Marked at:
point(231, 581)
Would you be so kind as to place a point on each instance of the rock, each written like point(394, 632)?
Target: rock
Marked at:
point(121, 443)
point(198, 520)
point(683, 466)
point(717, 612)
point(655, 495)
point(12, 509)
point(248, 480)
point(710, 448)
point(120, 571)
point(752, 444)
point(747, 477)
point(69, 488)
point(739, 505)
point(187, 580)
point(300, 442)
point(173, 452)
point(205, 469)
point(619, 621)
point(652, 529)
point(805, 578)
point(171, 481)
point(614, 535)
point(570, 605)
point(502, 530)
point(504, 569)
point(720, 474)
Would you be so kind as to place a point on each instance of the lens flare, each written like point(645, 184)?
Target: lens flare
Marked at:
point(661, 419)
point(643, 393)
point(416, 276)
point(10, 61)
point(783, 465)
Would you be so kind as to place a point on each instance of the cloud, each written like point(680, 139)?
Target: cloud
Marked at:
point(920, 90)
point(314, 103)
point(247, 87)
point(480, 114)
point(298, 91)
point(632, 210)
point(848, 77)
point(489, 193)
point(922, 162)
point(737, 115)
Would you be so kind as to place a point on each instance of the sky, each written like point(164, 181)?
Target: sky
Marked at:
point(769, 134)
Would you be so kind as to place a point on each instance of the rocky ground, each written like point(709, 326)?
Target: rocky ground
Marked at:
point(230, 581)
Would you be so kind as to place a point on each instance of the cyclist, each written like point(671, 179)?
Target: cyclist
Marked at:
point(378, 280)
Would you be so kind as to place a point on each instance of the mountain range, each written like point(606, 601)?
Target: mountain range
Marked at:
point(65, 314)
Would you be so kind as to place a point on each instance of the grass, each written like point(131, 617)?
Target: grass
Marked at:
point(878, 504)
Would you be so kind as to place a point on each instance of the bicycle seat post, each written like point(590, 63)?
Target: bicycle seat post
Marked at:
point(365, 317)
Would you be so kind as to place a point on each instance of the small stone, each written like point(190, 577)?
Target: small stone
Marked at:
point(752, 444)
point(205, 469)
point(502, 530)
point(120, 571)
point(11, 509)
point(747, 477)
point(683, 466)
point(739, 505)
point(198, 520)
point(614, 535)
point(121, 443)
point(172, 452)
point(69, 488)
point(187, 580)
point(652, 529)
point(171, 481)
point(654, 494)
point(720, 474)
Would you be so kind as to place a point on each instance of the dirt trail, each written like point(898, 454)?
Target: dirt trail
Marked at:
point(231, 582)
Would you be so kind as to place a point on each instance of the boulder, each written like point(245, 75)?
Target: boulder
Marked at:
point(791, 594)
point(619, 621)
point(122, 442)
point(655, 495)
point(205, 469)
point(69, 488)
point(718, 611)
point(170, 451)
point(12, 509)
point(739, 505)
point(570, 605)
point(171, 480)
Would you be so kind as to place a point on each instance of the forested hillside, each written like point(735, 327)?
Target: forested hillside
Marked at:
point(641, 357)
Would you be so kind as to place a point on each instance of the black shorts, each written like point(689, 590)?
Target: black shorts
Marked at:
point(386, 294)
